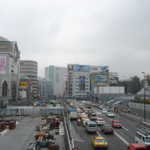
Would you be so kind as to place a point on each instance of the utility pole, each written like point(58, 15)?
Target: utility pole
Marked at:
point(144, 97)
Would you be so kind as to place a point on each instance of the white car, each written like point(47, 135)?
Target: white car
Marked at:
point(84, 121)
point(111, 115)
point(98, 113)
point(100, 121)
point(104, 111)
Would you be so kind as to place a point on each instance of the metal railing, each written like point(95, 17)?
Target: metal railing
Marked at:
point(68, 137)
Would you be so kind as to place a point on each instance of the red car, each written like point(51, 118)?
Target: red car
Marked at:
point(116, 124)
point(137, 147)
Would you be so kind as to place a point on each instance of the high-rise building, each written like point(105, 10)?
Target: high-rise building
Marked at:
point(29, 68)
point(9, 70)
point(44, 88)
point(79, 79)
point(57, 78)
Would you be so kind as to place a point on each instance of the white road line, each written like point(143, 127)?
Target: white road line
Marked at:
point(125, 128)
point(4, 132)
point(121, 138)
point(98, 133)
point(147, 123)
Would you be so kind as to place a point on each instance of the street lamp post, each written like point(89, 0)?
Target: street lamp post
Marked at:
point(144, 115)
point(144, 106)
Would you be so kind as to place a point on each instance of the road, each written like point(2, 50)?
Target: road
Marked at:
point(121, 138)
point(19, 138)
point(82, 139)
point(85, 139)
point(128, 131)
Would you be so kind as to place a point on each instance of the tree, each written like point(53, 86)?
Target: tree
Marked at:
point(133, 85)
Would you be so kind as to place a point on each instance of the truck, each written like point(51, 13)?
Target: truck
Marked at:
point(73, 114)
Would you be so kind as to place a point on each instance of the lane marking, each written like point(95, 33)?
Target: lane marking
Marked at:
point(98, 133)
point(147, 123)
point(125, 128)
point(121, 138)
point(4, 132)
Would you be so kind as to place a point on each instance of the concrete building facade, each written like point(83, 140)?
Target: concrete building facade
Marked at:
point(44, 88)
point(29, 68)
point(9, 70)
point(82, 79)
point(56, 76)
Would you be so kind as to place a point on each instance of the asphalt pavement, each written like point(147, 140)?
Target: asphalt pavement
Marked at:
point(19, 138)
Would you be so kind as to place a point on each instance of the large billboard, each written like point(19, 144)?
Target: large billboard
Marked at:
point(101, 79)
point(82, 68)
point(88, 68)
point(24, 84)
point(82, 82)
point(3, 64)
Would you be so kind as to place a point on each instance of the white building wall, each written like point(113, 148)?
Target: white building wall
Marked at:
point(59, 81)
point(109, 90)
point(57, 77)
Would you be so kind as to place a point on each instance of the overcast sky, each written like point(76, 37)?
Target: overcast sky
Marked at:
point(97, 32)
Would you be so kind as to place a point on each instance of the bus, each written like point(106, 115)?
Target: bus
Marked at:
point(143, 136)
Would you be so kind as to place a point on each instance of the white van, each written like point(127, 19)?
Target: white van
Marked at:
point(143, 136)
point(91, 126)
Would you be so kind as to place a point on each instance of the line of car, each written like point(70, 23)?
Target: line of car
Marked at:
point(93, 121)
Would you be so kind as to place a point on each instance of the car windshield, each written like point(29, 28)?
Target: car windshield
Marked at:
point(92, 125)
point(107, 126)
point(100, 119)
point(147, 139)
point(116, 121)
point(100, 141)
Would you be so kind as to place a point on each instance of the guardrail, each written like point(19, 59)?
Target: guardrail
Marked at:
point(68, 137)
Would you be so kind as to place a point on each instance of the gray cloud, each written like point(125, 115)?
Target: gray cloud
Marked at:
point(97, 32)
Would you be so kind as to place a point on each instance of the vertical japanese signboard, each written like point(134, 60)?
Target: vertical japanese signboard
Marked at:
point(3, 64)
point(82, 82)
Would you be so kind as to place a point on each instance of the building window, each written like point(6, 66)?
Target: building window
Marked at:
point(4, 88)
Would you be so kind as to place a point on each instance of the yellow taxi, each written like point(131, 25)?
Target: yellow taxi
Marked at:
point(99, 142)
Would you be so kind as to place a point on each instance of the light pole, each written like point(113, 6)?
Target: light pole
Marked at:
point(144, 115)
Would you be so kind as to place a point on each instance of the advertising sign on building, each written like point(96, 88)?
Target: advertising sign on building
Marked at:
point(101, 80)
point(3, 64)
point(82, 68)
point(82, 82)
point(24, 84)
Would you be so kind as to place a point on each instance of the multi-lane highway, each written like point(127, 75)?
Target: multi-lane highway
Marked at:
point(120, 140)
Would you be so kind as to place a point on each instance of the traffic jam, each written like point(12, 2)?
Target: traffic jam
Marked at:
point(103, 126)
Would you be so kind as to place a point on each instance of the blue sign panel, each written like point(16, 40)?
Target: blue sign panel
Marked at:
point(82, 68)
point(100, 79)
